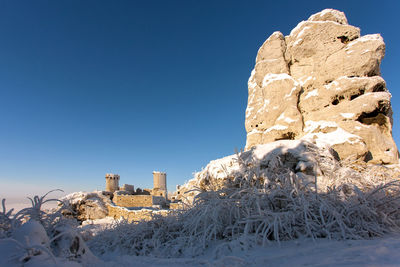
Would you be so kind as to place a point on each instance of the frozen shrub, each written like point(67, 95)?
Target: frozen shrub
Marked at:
point(5, 219)
point(35, 237)
point(360, 201)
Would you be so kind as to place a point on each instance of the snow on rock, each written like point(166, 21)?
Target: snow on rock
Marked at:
point(87, 205)
point(329, 15)
point(251, 82)
point(270, 78)
point(312, 93)
point(317, 126)
point(323, 71)
point(281, 92)
point(301, 157)
point(347, 115)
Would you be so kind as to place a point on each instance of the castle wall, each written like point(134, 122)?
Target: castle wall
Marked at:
point(138, 200)
point(128, 187)
point(159, 192)
point(134, 215)
point(176, 206)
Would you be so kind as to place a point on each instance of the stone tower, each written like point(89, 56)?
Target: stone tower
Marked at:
point(160, 184)
point(112, 182)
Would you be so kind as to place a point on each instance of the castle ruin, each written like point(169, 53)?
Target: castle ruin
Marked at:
point(127, 196)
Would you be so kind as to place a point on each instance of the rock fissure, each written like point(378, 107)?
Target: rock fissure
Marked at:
point(298, 108)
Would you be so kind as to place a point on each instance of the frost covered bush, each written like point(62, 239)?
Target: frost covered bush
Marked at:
point(36, 237)
point(5, 219)
point(9, 221)
point(362, 201)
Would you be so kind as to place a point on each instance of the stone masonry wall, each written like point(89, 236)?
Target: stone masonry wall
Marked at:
point(137, 200)
point(177, 206)
point(134, 215)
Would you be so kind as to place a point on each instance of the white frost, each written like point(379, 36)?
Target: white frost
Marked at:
point(281, 117)
point(254, 131)
point(277, 127)
point(347, 115)
point(271, 77)
point(365, 38)
point(286, 119)
point(289, 120)
point(312, 93)
point(248, 111)
point(298, 41)
point(365, 51)
point(329, 85)
point(264, 106)
point(311, 126)
point(252, 82)
point(303, 31)
point(339, 136)
point(298, 27)
point(302, 81)
point(291, 92)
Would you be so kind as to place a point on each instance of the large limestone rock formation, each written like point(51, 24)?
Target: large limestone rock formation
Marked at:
point(322, 83)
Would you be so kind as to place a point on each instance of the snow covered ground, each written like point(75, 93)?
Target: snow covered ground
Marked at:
point(363, 202)
point(377, 252)
point(383, 251)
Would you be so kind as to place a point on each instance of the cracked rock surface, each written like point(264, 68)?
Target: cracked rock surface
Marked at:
point(322, 83)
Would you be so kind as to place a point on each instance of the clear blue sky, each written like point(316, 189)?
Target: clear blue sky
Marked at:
point(90, 87)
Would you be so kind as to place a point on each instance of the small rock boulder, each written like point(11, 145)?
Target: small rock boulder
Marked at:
point(87, 205)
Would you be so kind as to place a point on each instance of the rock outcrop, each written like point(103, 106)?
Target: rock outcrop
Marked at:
point(315, 99)
point(87, 205)
point(321, 83)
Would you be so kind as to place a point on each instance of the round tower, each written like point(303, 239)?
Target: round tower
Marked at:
point(160, 184)
point(112, 182)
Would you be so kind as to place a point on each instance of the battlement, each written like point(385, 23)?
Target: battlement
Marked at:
point(112, 176)
point(112, 182)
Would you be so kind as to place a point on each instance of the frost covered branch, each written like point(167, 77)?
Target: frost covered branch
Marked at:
point(257, 210)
